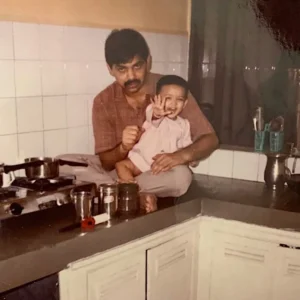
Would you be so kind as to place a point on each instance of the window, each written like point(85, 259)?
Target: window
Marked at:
point(244, 54)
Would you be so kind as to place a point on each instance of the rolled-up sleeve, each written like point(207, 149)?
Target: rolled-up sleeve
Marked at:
point(104, 132)
point(198, 122)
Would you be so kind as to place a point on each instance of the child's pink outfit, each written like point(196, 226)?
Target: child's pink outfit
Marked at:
point(162, 135)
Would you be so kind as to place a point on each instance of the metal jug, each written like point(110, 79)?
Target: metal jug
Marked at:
point(276, 170)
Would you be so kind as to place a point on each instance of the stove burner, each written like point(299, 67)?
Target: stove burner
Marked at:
point(43, 184)
point(6, 193)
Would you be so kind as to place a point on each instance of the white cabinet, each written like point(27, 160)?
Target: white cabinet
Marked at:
point(246, 262)
point(170, 269)
point(105, 280)
point(166, 260)
point(241, 268)
point(287, 275)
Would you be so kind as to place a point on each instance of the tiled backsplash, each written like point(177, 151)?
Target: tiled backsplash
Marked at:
point(49, 76)
point(237, 164)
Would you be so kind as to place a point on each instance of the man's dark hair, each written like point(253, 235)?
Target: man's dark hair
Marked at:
point(170, 80)
point(121, 46)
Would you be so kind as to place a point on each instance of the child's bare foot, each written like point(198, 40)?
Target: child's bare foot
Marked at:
point(148, 202)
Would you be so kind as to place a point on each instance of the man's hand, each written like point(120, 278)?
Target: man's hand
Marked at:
point(130, 136)
point(158, 105)
point(166, 161)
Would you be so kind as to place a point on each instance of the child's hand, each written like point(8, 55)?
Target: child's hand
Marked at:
point(158, 105)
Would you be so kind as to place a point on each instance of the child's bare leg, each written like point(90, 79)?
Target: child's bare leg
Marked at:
point(126, 170)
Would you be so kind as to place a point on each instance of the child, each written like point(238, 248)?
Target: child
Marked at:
point(165, 130)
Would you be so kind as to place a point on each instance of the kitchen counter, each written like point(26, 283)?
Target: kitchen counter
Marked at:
point(32, 247)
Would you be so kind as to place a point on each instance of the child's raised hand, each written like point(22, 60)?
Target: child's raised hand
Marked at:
point(158, 104)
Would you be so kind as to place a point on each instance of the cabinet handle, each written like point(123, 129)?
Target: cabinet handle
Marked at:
point(244, 255)
point(289, 246)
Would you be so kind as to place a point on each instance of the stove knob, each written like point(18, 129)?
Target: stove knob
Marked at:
point(16, 209)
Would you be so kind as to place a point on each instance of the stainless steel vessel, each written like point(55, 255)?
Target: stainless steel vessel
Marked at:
point(48, 168)
point(128, 200)
point(83, 204)
point(108, 199)
point(276, 171)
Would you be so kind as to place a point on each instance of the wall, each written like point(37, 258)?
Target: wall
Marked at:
point(238, 165)
point(49, 76)
point(168, 16)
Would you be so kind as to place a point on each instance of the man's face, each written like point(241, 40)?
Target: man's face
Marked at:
point(131, 75)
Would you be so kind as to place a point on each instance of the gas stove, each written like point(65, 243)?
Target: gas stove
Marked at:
point(25, 196)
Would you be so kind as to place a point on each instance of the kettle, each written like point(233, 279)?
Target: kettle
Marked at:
point(276, 170)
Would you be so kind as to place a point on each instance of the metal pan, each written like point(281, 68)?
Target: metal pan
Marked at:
point(49, 167)
point(11, 168)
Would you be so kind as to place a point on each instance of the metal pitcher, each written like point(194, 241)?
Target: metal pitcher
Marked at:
point(276, 170)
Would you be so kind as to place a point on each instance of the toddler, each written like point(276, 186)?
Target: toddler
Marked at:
point(164, 130)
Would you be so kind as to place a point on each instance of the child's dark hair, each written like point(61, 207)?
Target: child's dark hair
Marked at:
point(170, 80)
point(121, 46)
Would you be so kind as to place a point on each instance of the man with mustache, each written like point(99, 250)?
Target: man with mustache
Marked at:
point(118, 116)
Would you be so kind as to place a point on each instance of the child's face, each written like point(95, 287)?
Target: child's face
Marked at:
point(175, 99)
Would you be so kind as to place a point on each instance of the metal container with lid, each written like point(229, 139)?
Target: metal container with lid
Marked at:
point(129, 203)
point(108, 199)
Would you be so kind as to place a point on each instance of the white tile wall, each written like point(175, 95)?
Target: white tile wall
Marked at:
point(49, 76)
point(245, 165)
point(7, 78)
point(238, 165)
point(6, 41)
point(221, 164)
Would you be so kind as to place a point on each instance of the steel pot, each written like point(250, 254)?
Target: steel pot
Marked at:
point(11, 168)
point(49, 167)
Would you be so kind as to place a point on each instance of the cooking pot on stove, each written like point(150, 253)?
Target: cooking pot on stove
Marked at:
point(11, 168)
point(49, 168)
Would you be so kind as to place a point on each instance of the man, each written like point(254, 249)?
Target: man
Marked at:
point(118, 115)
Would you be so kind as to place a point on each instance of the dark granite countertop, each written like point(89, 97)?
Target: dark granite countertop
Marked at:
point(35, 246)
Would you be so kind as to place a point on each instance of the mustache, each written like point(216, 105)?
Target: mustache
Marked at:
point(132, 81)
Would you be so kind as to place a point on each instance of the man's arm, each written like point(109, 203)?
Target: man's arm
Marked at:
point(205, 140)
point(106, 146)
point(200, 149)
point(110, 157)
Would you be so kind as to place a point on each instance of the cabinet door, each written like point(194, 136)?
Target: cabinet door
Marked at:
point(287, 277)
point(241, 268)
point(120, 279)
point(170, 269)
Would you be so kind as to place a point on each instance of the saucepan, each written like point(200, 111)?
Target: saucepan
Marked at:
point(11, 168)
point(49, 168)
